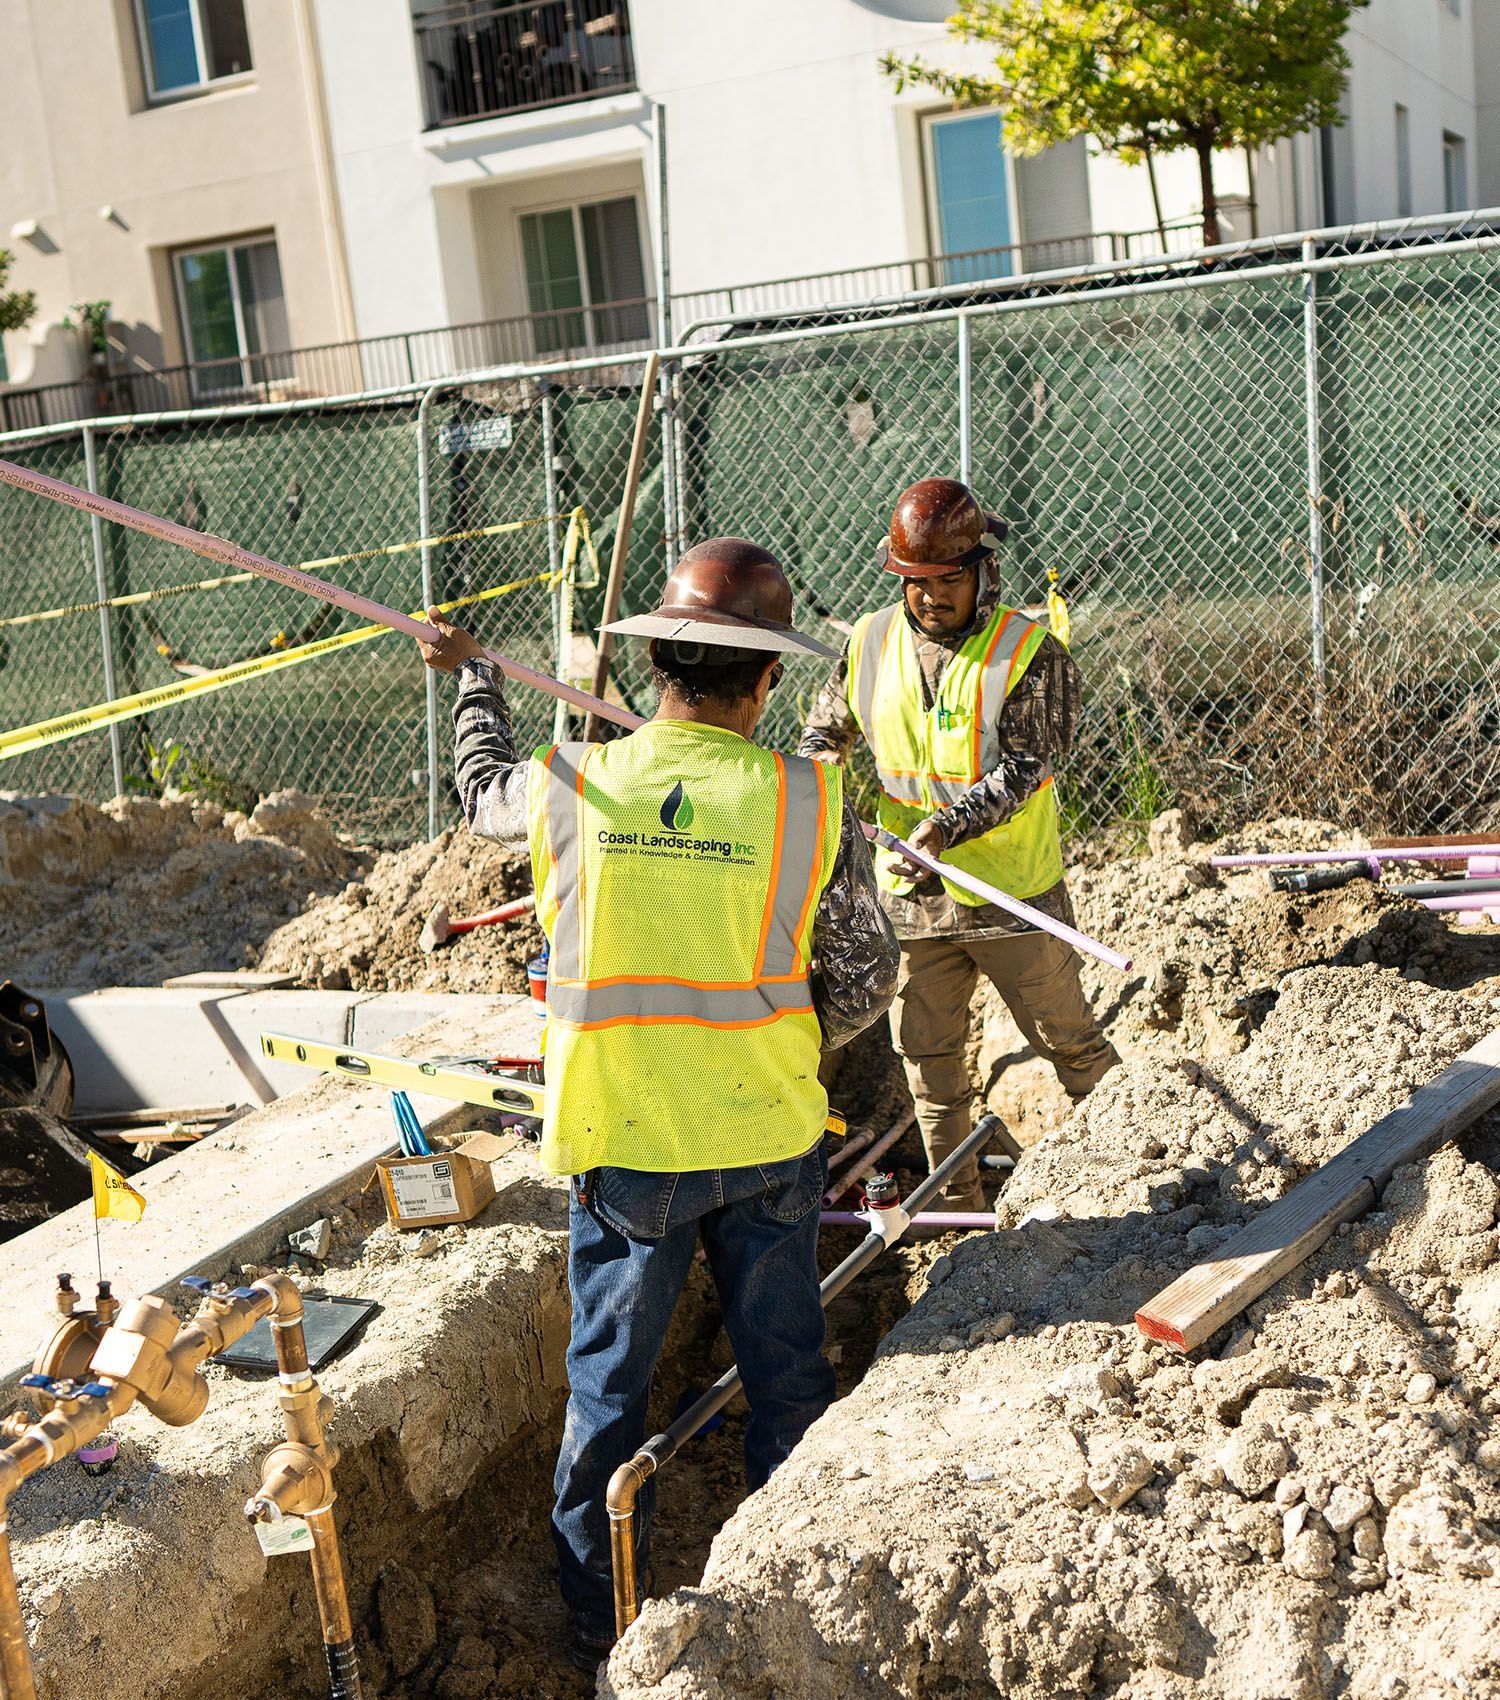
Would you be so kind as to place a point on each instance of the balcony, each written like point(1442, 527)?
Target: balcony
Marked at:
point(486, 61)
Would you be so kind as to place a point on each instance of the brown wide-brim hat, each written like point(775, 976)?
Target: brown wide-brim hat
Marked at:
point(727, 592)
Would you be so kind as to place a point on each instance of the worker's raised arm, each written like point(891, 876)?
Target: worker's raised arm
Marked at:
point(1037, 725)
point(491, 778)
point(854, 951)
point(831, 728)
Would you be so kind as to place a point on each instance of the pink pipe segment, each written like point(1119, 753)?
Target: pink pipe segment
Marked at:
point(1476, 902)
point(1306, 858)
point(853, 1144)
point(871, 1157)
point(231, 555)
point(926, 1219)
point(992, 894)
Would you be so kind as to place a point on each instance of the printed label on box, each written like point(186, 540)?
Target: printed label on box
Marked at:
point(424, 1189)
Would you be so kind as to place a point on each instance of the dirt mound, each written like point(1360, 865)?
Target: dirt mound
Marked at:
point(1211, 950)
point(365, 937)
point(139, 890)
point(1025, 1496)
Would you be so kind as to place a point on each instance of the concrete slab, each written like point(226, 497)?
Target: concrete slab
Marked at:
point(233, 1195)
point(230, 979)
point(381, 1019)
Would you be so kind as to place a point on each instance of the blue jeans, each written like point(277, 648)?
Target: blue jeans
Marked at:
point(631, 1244)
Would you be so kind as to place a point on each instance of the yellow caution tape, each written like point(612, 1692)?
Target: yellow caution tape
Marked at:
point(64, 726)
point(136, 598)
point(1058, 618)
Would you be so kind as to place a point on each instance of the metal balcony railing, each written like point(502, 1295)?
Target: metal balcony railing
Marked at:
point(383, 362)
point(483, 61)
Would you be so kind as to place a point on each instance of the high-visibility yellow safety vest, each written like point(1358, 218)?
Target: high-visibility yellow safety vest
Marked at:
point(929, 758)
point(677, 875)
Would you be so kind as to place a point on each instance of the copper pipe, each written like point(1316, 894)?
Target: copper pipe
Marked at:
point(619, 1501)
point(17, 1681)
point(301, 1469)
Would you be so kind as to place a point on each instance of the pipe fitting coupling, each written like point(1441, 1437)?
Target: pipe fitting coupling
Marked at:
point(295, 1479)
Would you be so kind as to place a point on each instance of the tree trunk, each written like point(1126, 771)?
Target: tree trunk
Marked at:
point(1211, 235)
point(1161, 223)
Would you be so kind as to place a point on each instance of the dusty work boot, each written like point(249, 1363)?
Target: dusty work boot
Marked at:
point(589, 1643)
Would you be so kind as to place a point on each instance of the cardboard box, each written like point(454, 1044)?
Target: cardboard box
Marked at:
point(449, 1186)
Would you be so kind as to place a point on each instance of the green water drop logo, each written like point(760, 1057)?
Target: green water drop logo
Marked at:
point(677, 811)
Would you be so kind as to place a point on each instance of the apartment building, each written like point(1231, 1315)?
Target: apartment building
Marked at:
point(241, 178)
point(167, 157)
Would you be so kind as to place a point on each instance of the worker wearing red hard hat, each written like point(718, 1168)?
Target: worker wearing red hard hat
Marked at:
point(966, 705)
point(714, 923)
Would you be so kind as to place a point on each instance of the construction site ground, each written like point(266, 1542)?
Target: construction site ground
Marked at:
point(1016, 1494)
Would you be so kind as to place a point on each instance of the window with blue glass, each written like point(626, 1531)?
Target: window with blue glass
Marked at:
point(188, 43)
point(970, 188)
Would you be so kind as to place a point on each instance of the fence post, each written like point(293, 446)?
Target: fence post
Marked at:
point(965, 400)
point(562, 628)
point(424, 516)
point(101, 583)
point(1314, 471)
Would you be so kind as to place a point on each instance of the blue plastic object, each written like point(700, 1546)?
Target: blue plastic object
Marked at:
point(408, 1128)
point(198, 1283)
point(42, 1381)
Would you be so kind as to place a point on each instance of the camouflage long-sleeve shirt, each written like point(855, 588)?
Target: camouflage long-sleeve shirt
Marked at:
point(854, 952)
point(1037, 724)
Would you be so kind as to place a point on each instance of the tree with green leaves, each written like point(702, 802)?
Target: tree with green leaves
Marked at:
point(1147, 77)
point(17, 306)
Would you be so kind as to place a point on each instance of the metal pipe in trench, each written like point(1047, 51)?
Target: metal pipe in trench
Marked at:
point(631, 1477)
point(928, 1219)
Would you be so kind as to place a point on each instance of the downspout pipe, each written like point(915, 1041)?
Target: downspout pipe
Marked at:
point(627, 1482)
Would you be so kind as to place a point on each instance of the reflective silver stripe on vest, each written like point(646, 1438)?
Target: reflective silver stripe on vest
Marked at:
point(902, 787)
point(801, 860)
point(562, 834)
point(801, 852)
point(634, 1001)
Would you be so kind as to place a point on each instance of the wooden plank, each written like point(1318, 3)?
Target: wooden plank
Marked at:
point(623, 524)
point(198, 1116)
point(1205, 1297)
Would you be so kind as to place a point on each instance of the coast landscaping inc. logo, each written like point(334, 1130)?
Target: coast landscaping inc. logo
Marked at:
point(676, 810)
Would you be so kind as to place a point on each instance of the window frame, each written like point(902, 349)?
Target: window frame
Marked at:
point(928, 122)
point(227, 246)
point(1405, 199)
point(588, 307)
point(183, 91)
point(1456, 147)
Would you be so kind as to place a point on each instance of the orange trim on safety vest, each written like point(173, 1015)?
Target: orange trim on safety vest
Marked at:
point(1010, 614)
point(678, 1020)
point(817, 861)
point(775, 880)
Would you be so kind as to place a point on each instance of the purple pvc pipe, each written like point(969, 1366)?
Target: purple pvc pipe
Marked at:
point(1001, 900)
point(232, 555)
point(1475, 902)
point(1307, 858)
point(926, 1219)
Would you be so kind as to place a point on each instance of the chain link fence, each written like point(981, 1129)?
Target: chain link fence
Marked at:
point(1269, 496)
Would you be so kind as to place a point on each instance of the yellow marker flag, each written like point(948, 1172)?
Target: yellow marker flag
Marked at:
point(113, 1194)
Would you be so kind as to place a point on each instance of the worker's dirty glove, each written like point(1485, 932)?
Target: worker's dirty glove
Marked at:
point(452, 649)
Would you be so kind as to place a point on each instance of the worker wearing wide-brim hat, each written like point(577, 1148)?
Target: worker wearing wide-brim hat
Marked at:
point(714, 924)
point(966, 705)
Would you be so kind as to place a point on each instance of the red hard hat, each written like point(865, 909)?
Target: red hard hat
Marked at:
point(937, 527)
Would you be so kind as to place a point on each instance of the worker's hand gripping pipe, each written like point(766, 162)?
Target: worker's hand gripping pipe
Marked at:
point(626, 1483)
point(143, 1355)
point(232, 555)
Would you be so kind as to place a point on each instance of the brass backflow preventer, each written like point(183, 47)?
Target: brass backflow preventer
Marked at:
point(97, 1364)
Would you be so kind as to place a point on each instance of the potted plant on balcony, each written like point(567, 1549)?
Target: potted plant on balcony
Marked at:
point(91, 320)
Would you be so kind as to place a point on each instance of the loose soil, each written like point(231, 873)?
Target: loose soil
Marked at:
point(1020, 1495)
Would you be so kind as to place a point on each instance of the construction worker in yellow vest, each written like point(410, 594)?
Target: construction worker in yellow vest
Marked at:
point(714, 924)
point(966, 704)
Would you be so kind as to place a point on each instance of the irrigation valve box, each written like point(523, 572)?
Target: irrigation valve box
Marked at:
point(449, 1186)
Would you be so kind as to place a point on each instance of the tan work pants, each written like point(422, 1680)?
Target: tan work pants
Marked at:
point(1037, 975)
